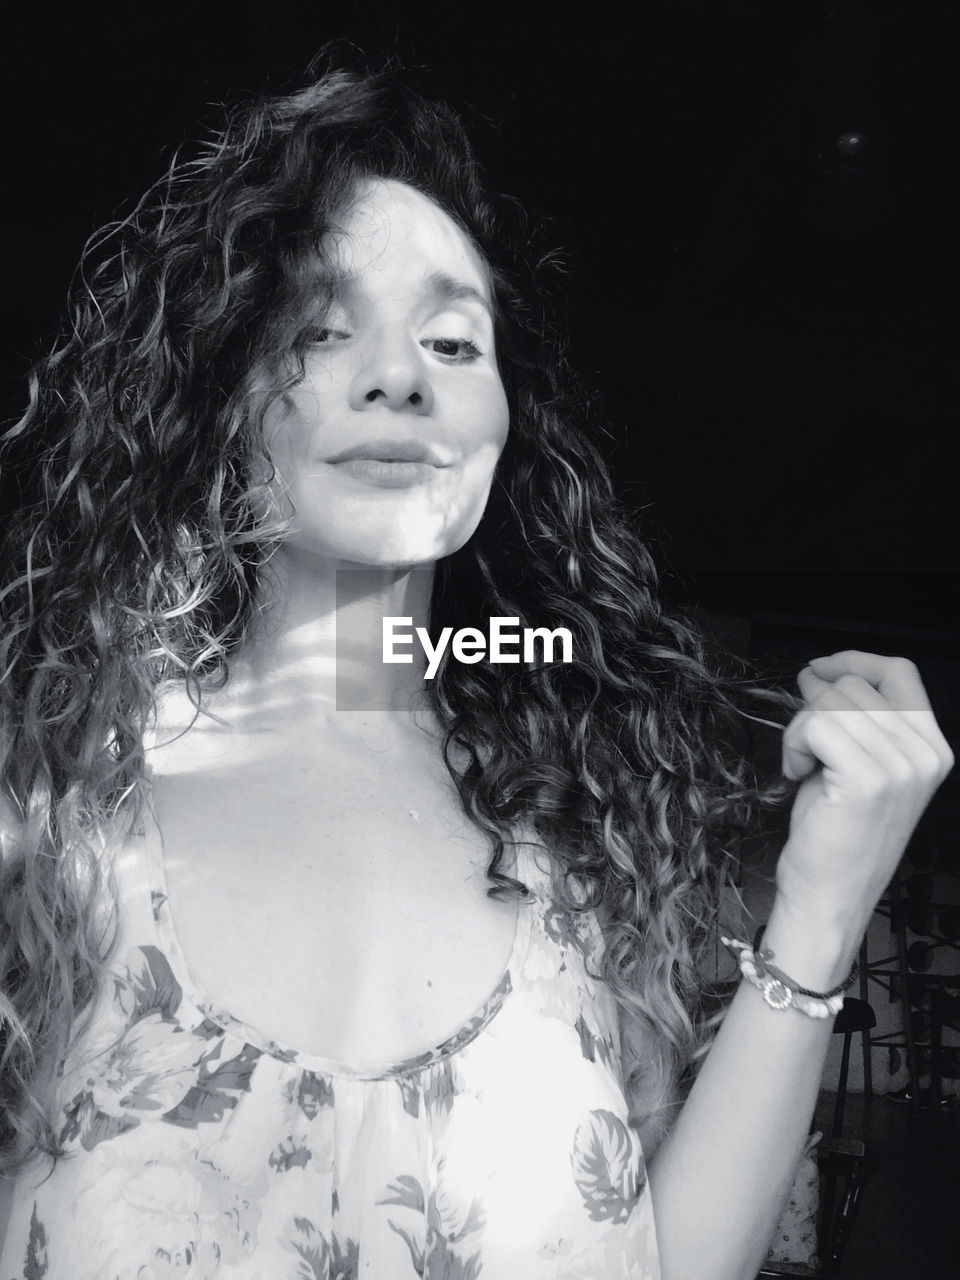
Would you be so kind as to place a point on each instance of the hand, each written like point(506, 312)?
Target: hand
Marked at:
point(869, 755)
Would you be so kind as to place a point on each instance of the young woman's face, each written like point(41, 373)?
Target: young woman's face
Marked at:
point(387, 448)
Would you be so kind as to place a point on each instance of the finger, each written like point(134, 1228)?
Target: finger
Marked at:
point(896, 678)
point(899, 682)
point(798, 760)
point(844, 718)
point(810, 684)
point(910, 728)
point(816, 740)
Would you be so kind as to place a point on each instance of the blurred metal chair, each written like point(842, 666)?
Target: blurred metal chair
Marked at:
point(841, 1163)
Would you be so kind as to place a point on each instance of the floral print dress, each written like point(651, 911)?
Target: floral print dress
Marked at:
point(199, 1149)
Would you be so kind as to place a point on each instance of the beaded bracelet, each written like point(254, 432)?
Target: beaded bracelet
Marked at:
point(781, 992)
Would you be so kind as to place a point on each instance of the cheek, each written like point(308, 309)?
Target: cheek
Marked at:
point(503, 423)
point(493, 418)
point(491, 429)
point(289, 432)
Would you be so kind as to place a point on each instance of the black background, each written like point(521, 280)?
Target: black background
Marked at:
point(768, 322)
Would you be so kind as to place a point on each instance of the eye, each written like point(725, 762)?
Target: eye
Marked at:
point(326, 335)
point(458, 350)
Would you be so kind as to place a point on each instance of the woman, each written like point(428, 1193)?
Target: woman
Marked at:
point(307, 391)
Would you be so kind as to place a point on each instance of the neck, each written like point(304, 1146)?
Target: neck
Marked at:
point(315, 649)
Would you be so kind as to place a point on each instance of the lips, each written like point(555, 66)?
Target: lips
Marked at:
point(391, 451)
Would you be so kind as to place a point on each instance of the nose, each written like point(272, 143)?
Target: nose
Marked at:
point(392, 375)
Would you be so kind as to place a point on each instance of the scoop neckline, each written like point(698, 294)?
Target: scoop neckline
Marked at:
point(203, 1001)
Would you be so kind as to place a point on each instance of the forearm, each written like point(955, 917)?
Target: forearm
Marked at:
point(721, 1176)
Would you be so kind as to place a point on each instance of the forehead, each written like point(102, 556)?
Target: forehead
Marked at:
point(391, 232)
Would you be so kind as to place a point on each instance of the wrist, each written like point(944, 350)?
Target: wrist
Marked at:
point(818, 953)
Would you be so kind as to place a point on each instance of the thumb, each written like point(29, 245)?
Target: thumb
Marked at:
point(797, 759)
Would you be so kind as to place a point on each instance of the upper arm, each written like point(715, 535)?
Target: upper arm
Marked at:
point(9, 826)
point(10, 820)
point(10, 823)
point(6, 1205)
point(650, 1116)
point(651, 1113)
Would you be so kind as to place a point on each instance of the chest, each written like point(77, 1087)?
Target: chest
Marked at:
point(335, 900)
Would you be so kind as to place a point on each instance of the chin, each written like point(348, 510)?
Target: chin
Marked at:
point(398, 561)
point(391, 550)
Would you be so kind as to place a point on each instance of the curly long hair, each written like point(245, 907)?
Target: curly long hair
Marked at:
point(136, 557)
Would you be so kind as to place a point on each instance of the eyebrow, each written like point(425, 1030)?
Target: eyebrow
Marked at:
point(444, 286)
point(437, 283)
